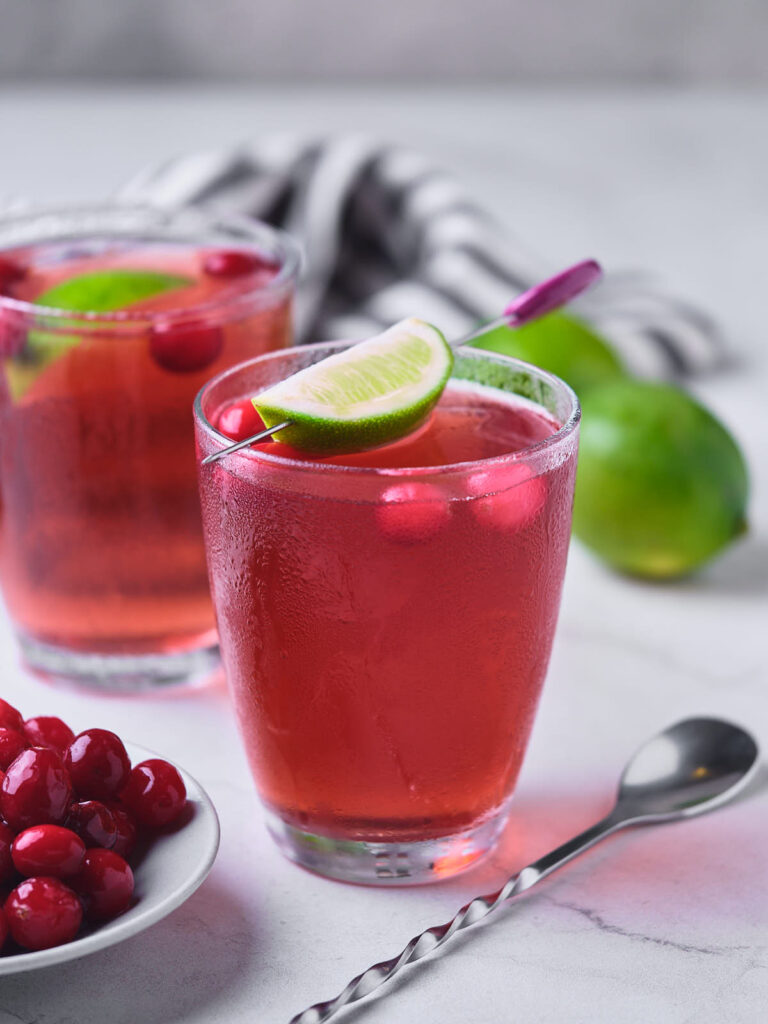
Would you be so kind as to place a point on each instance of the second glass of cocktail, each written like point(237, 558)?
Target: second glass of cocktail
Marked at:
point(111, 319)
point(386, 617)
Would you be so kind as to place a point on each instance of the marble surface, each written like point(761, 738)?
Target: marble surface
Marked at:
point(667, 925)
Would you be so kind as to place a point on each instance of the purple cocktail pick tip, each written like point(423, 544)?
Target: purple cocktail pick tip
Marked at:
point(552, 294)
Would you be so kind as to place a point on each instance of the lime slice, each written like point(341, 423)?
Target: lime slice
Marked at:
point(101, 291)
point(372, 393)
point(104, 291)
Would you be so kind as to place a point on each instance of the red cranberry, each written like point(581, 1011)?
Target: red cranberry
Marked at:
point(236, 263)
point(155, 793)
point(413, 512)
point(126, 831)
point(98, 764)
point(10, 718)
point(36, 790)
point(3, 930)
point(48, 731)
point(94, 823)
point(12, 742)
point(105, 884)
point(240, 420)
point(43, 912)
point(10, 273)
point(13, 333)
point(48, 850)
point(6, 860)
point(519, 497)
point(185, 348)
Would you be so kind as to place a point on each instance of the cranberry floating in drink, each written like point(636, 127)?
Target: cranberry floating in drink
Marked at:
point(111, 318)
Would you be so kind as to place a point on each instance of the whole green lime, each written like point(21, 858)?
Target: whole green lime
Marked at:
point(561, 344)
point(661, 485)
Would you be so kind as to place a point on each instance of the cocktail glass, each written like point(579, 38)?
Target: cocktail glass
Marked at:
point(386, 619)
point(101, 552)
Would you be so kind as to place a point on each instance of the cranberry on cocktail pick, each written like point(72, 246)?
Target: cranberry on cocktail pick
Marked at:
point(105, 884)
point(236, 263)
point(185, 348)
point(98, 764)
point(48, 850)
point(240, 420)
point(36, 789)
point(155, 793)
point(43, 912)
point(48, 731)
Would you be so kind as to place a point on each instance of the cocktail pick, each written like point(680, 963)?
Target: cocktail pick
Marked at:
point(688, 769)
point(539, 300)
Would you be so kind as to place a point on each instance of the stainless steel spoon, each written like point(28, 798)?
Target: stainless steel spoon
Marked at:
point(689, 768)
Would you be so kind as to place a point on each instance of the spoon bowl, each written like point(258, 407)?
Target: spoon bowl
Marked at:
point(685, 770)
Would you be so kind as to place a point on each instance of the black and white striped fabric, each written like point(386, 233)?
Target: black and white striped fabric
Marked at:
point(387, 235)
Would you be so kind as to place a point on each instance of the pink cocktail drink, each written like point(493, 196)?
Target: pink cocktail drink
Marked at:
point(101, 552)
point(386, 618)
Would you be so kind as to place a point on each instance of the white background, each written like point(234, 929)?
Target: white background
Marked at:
point(610, 41)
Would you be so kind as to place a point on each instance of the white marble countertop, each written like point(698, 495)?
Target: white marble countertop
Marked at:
point(667, 925)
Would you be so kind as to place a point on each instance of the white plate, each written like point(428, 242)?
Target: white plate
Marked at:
point(171, 870)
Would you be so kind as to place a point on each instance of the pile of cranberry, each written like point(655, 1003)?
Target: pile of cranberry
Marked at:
point(71, 810)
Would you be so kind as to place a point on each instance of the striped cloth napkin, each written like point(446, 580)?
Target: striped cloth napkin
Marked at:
point(386, 235)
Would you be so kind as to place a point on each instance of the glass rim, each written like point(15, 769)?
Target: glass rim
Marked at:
point(247, 231)
point(309, 466)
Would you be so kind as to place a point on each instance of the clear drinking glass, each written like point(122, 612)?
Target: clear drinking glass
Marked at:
point(386, 629)
point(101, 553)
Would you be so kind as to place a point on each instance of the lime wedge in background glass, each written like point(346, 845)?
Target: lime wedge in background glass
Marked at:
point(101, 291)
point(104, 291)
point(368, 395)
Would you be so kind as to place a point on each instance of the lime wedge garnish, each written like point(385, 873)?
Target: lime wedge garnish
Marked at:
point(101, 291)
point(104, 291)
point(368, 395)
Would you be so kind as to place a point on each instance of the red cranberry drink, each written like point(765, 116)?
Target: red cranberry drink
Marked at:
point(386, 617)
point(101, 554)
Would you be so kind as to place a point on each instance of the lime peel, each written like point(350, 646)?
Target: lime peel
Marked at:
point(104, 291)
point(99, 291)
point(372, 393)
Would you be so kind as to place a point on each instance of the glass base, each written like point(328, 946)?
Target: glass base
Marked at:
point(120, 673)
point(374, 863)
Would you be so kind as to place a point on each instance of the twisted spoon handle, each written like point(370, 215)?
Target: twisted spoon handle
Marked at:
point(479, 908)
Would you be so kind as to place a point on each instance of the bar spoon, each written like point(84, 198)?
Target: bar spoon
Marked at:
point(691, 767)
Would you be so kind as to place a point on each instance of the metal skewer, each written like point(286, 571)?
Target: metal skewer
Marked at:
point(542, 298)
